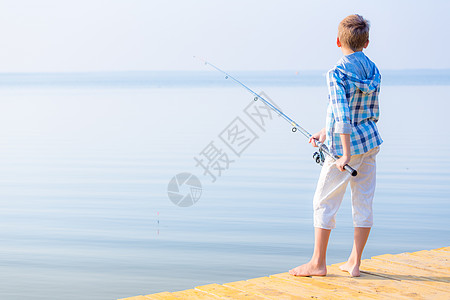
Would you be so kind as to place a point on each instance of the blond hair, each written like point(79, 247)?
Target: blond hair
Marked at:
point(353, 32)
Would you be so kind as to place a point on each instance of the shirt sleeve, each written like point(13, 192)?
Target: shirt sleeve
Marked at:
point(339, 103)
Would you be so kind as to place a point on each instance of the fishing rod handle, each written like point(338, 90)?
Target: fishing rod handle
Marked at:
point(352, 171)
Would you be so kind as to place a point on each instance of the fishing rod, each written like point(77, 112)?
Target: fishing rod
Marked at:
point(318, 156)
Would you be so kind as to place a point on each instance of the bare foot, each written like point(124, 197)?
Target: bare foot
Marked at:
point(351, 268)
point(309, 269)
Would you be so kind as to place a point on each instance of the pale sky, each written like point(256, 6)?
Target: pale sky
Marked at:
point(113, 35)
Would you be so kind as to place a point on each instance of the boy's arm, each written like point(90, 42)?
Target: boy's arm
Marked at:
point(341, 113)
point(345, 158)
point(339, 103)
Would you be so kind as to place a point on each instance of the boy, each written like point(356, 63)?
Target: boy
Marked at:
point(351, 133)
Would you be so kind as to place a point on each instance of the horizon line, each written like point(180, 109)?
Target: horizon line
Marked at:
point(299, 71)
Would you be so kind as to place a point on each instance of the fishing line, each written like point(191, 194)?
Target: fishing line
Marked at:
point(318, 156)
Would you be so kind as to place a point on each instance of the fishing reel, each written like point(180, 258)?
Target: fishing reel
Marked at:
point(318, 157)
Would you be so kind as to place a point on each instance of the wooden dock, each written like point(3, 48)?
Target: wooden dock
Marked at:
point(418, 275)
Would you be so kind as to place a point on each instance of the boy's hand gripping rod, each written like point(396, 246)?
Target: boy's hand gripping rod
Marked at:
point(322, 147)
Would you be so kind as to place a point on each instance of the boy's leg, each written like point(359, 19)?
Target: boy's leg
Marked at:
point(327, 199)
point(363, 189)
point(354, 261)
point(317, 266)
point(329, 193)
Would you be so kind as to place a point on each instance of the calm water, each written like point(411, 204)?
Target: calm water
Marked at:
point(85, 162)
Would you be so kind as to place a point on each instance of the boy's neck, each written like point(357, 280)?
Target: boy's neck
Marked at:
point(348, 51)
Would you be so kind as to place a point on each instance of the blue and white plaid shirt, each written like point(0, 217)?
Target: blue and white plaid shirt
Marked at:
point(353, 88)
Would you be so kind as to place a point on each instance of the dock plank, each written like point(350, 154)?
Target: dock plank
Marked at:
point(194, 294)
point(267, 291)
point(402, 272)
point(290, 289)
point(439, 258)
point(324, 286)
point(160, 296)
point(423, 274)
point(140, 297)
point(421, 262)
point(445, 249)
point(366, 286)
point(225, 292)
point(393, 286)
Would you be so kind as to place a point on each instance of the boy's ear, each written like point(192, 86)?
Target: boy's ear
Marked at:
point(338, 43)
point(367, 44)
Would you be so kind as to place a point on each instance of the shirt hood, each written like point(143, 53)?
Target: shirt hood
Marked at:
point(360, 71)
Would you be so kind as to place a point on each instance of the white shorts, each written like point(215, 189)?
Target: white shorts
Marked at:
point(331, 189)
